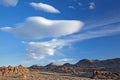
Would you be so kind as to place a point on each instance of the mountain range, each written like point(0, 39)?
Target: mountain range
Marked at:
point(83, 65)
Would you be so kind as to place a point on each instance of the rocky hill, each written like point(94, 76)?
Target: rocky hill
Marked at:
point(86, 64)
point(51, 65)
point(67, 65)
point(109, 63)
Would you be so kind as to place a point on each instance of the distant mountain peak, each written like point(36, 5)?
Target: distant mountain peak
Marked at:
point(67, 65)
point(98, 63)
point(52, 64)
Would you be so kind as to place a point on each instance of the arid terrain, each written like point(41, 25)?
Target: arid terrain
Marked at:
point(22, 73)
point(83, 70)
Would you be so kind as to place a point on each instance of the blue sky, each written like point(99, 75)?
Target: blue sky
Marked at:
point(44, 31)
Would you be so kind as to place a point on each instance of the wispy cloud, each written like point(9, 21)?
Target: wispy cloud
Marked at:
point(79, 5)
point(101, 29)
point(65, 60)
point(44, 7)
point(39, 27)
point(91, 5)
point(94, 34)
point(39, 50)
point(8, 2)
point(105, 21)
point(106, 26)
point(71, 7)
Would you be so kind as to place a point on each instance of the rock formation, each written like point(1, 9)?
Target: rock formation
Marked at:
point(14, 71)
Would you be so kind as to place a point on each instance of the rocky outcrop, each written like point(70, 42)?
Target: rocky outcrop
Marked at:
point(10, 71)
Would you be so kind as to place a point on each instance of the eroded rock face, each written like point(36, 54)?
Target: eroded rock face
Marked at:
point(10, 71)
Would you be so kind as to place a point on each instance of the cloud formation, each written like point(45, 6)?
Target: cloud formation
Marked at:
point(44, 7)
point(96, 32)
point(39, 50)
point(39, 27)
point(71, 7)
point(91, 5)
point(65, 60)
point(8, 2)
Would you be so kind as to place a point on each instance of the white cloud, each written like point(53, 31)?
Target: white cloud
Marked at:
point(39, 27)
point(6, 28)
point(71, 7)
point(103, 31)
point(39, 50)
point(91, 5)
point(106, 21)
point(105, 26)
point(8, 2)
point(65, 60)
point(44, 7)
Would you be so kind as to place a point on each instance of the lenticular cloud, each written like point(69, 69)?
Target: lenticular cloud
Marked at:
point(40, 27)
point(44, 7)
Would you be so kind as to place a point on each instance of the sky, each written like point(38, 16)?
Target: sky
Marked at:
point(60, 31)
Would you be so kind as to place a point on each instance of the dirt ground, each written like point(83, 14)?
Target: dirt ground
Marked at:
point(43, 76)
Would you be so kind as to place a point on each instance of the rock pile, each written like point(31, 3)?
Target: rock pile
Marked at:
point(13, 71)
